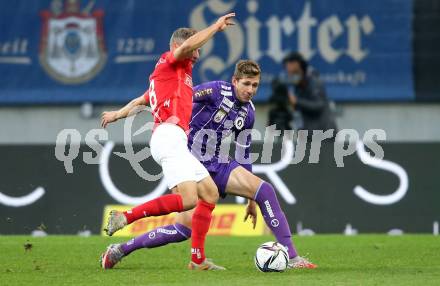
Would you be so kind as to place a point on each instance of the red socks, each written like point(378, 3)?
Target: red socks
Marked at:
point(166, 204)
point(200, 225)
point(161, 206)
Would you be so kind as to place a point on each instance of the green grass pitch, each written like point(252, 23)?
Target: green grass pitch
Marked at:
point(357, 260)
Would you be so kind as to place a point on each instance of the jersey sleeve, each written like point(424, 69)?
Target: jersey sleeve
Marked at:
point(243, 142)
point(146, 96)
point(205, 93)
point(170, 58)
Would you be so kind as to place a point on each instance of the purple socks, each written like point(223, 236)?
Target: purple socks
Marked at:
point(157, 237)
point(274, 216)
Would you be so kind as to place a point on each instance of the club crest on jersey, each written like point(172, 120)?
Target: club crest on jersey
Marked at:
point(242, 113)
point(218, 117)
point(72, 47)
point(239, 122)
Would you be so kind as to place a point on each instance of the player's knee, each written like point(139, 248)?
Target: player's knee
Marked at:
point(184, 226)
point(214, 197)
point(210, 195)
point(188, 192)
point(265, 188)
point(207, 191)
point(268, 186)
point(189, 200)
point(185, 218)
point(187, 223)
point(249, 184)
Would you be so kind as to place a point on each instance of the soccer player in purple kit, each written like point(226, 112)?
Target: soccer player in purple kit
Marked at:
point(219, 110)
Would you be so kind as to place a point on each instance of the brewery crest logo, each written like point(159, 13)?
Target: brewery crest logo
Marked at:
point(72, 47)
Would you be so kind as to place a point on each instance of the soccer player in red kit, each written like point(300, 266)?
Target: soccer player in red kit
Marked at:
point(170, 97)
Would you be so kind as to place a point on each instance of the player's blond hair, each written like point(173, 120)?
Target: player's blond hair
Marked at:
point(181, 34)
point(247, 68)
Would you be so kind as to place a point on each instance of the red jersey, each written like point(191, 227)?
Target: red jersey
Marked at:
point(170, 92)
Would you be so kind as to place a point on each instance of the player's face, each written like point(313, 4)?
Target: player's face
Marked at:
point(246, 88)
point(194, 56)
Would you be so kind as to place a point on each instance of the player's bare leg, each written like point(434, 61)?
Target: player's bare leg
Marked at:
point(243, 183)
point(185, 219)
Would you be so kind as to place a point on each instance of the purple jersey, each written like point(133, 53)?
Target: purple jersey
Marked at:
point(217, 114)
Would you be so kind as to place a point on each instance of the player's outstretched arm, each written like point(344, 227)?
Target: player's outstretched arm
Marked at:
point(128, 110)
point(200, 38)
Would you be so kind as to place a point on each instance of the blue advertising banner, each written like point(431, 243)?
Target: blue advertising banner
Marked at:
point(56, 51)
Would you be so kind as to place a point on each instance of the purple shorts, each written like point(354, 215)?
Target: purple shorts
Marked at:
point(220, 173)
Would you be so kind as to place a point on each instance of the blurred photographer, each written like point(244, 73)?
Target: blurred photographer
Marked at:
point(280, 113)
point(306, 95)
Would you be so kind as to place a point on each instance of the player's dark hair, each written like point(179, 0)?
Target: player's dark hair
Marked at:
point(296, 57)
point(246, 68)
point(181, 34)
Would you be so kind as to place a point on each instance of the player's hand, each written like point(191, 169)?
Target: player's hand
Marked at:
point(251, 211)
point(108, 117)
point(225, 21)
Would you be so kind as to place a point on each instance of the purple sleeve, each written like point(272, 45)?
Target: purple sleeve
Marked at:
point(204, 92)
point(243, 142)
